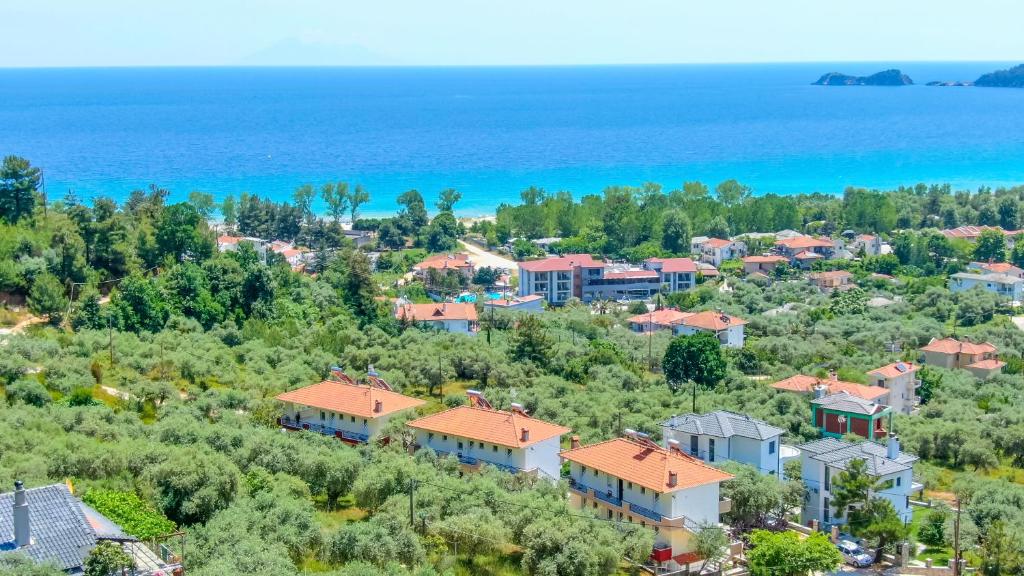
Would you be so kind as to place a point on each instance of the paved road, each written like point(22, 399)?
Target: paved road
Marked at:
point(482, 257)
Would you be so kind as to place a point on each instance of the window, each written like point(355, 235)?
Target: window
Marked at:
point(430, 437)
point(899, 480)
point(364, 421)
point(711, 449)
point(885, 484)
point(508, 451)
point(494, 448)
point(828, 478)
point(771, 447)
point(630, 485)
point(323, 416)
point(694, 447)
point(643, 490)
point(353, 418)
point(828, 510)
point(460, 444)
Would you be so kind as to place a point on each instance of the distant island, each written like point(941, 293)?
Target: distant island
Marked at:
point(892, 77)
point(1010, 78)
point(950, 83)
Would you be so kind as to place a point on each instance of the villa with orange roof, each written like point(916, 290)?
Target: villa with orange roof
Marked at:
point(349, 411)
point(762, 264)
point(803, 251)
point(664, 319)
point(455, 317)
point(803, 384)
point(972, 233)
point(459, 262)
point(996, 268)
point(728, 329)
point(950, 353)
point(900, 379)
point(714, 251)
point(831, 280)
point(480, 434)
point(560, 278)
point(633, 479)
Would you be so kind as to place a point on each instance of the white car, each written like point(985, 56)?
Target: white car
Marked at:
point(854, 555)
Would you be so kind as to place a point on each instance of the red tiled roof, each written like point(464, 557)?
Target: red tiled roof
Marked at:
point(645, 464)
point(804, 384)
point(486, 425)
point(445, 262)
point(970, 232)
point(348, 399)
point(954, 346)
point(228, 239)
point(830, 274)
point(711, 320)
point(663, 317)
point(989, 364)
point(762, 259)
point(807, 255)
point(669, 265)
point(865, 237)
point(999, 267)
point(896, 369)
point(804, 242)
point(716, 242)
point(436, 312)
point(561, 263)
point(687, 558)
point(504, 302)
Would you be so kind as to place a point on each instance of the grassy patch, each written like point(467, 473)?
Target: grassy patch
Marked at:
point(344, 512)
point(940, 555)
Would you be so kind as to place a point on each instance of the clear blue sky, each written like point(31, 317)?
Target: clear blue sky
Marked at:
point(458, 32)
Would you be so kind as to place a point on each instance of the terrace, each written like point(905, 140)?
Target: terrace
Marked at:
point(292, 424)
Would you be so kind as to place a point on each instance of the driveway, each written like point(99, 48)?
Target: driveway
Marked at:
point(482, 258)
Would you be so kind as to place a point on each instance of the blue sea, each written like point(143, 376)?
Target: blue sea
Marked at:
point(492, 131)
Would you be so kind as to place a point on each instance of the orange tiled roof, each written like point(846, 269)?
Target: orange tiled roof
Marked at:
point(663, 317)
point(669, 265)
point(486, 425)
point(563, 263)
point(228, 239)
point(763, 259)
point(436, 312)
point(711, 320)
point(807, 255)
point(804, 242)
point(804, 384)
point(894, 370)
point(645, 464)
point(989, 364)
point(954, 346)
point(445, 262)
point(830, 274)
point(348, 399)
point(716, 242)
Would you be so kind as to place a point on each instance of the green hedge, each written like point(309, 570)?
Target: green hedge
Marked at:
point(134, 515)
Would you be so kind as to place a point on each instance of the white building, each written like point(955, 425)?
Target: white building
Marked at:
point(728, 329)
point(900, 379)
point(476, 435)
point(635, 480)
point(676, 274)
point(455, 317)
point(345, 410)
point(1003, 285)
point(996, 268)
point(529, 303)
point(714, 251)
point(823, 460)
point(719, 436)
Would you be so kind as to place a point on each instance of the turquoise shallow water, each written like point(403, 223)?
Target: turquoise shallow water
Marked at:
point(490, 132)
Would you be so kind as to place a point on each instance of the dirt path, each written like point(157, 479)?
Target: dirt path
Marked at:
point(32, 321)
point(482, 257)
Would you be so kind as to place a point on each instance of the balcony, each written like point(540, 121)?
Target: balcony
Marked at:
point(724, 505)
point(607, 497)
point(645, 512)
point(324, 429)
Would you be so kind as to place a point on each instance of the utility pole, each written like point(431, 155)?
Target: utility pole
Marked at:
point(956, 540)
point(110, 336)
point(650, 340)
point(694, 396)
point(412, 503)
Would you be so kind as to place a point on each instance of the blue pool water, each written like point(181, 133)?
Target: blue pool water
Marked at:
point(490, 132)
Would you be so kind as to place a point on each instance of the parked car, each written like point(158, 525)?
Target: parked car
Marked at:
point(854, 555)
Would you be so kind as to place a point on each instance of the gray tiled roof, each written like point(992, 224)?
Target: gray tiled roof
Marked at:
point(60, 532)
point(847, 402)
point(723, 424)
point(839, 453)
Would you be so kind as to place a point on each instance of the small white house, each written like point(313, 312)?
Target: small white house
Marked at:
point(528, 303)
point(634, 480)
point(510, 440)
point(714, 251)
point(455, 317)
point(900, 379)
point(721, 435)
point(728, 329)
point(1003, 285)
point(823, 460)
point(347, 411)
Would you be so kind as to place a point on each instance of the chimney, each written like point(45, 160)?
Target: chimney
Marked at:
point(574, 442)
point(378, 406)
point(524, 436)
point(673, 479)
point(22, 521)
point(892, 448)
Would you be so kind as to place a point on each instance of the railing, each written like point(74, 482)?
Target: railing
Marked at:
point(579, 487)
point(646, 512)
point(473, 461)
point(323, 429)
point(607, 497)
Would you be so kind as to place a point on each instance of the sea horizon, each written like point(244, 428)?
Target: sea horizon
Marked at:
point(492, 131)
